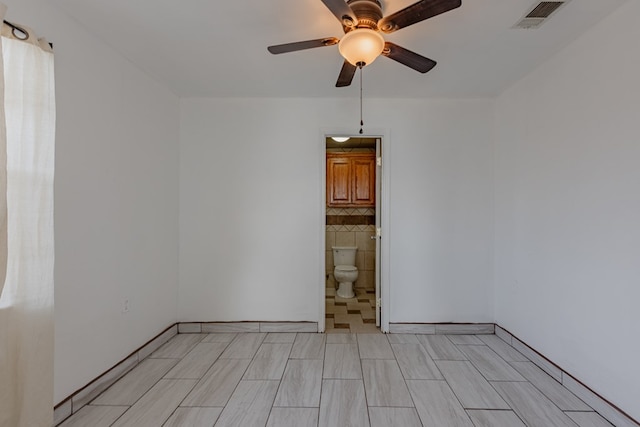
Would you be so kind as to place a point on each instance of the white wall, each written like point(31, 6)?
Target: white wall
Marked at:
point(251, 206)
point(116, 199)
point(568, 208)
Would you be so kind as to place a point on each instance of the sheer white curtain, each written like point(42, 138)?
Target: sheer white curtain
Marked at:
point(27, 136)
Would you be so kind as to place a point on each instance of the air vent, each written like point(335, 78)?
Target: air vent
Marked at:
point(545, 9)
point(540, 13)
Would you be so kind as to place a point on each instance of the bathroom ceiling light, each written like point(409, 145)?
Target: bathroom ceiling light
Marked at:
point(340, 138)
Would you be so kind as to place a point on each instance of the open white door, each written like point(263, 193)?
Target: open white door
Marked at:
point(377, 235)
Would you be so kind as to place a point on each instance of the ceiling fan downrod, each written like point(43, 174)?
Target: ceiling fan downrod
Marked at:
point(361, 66)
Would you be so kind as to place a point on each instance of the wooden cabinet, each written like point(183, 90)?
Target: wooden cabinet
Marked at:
point(351, 179)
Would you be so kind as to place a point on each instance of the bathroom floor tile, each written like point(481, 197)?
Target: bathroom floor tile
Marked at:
point(368, 316)
point(346, 327)
point(351, 315)
point(340, 300)
point(347, 318)
point(361, 292)
point(338, 331)
point(359, 306)
point(336, 309)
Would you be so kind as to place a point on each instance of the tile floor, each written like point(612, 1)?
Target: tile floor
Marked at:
point(306, 379)
point(350, 315)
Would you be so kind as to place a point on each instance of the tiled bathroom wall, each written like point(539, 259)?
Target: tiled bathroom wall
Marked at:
point(341, 231)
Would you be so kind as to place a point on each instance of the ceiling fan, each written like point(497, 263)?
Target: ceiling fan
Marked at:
point(363, 22)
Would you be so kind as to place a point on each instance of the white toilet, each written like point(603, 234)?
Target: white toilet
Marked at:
point(345, 270)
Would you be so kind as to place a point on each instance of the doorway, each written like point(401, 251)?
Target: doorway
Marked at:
point(352, 226)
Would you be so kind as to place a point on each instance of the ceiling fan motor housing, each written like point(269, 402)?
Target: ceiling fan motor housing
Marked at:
point(368, 12)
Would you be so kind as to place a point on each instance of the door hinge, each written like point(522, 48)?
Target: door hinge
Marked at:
point(379, 161)
point(378, 232)
point(378, 302)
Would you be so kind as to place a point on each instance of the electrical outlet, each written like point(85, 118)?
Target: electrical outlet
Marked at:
point(125, 305)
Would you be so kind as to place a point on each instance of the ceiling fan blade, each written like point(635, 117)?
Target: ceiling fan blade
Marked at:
point(346, 74)
point(308, 44)
point(408, 58)
point(417, 12)
point(342, 11)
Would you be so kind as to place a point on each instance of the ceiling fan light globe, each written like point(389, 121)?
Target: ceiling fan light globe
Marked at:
point(361, 45)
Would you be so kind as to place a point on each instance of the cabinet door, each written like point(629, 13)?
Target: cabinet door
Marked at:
point(363, 181)
point(338, 181)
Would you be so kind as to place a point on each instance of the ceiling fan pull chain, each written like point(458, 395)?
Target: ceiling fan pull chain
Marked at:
point(361, 121)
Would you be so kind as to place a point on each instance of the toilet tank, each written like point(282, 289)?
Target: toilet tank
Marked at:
point(344, 255)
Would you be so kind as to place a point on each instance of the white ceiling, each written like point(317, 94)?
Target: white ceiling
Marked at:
point(218, 48)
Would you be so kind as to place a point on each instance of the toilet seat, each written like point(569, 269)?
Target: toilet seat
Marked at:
point(346, 268)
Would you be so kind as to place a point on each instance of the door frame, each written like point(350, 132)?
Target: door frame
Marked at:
point(384, 241)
